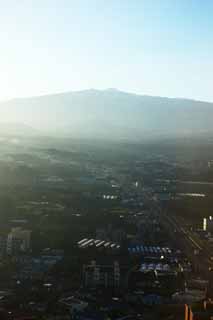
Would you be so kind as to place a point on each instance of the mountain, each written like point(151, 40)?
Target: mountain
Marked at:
point(110, 114)
point(15, 128)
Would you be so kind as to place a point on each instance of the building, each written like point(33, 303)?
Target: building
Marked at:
point(149, 250)
point(74, 305)
point(100, 245)
point(3, 245)
point(208, 224)
point(18, 240)
point(199, 311)
point(97, 275)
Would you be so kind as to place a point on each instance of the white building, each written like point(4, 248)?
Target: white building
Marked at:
point(208, 224)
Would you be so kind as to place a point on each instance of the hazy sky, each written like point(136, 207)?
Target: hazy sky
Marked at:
point(157, 47)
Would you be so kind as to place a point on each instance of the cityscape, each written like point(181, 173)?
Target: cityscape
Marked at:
point(106, 231)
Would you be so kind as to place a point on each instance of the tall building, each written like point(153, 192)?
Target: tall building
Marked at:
point(208, 224)
point(96, 275)
point(204, 224)
point(3, 244)
point(18, 240)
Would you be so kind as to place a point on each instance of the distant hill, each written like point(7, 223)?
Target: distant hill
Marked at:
point(109, 114)
point(15, 128)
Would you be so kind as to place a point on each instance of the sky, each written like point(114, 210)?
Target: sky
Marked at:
point(154, 47)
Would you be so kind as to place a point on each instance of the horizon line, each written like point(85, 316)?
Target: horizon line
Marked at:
point(103, 90)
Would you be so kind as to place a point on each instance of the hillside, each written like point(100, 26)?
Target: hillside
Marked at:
point(109, 114)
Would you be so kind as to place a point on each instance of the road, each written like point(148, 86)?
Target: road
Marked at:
point(190, 243)
point(188, 182)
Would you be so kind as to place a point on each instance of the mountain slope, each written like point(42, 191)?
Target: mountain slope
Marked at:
point(110, 114)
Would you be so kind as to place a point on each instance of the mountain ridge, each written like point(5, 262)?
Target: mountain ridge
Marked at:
point(107, 90)
point(109, 113)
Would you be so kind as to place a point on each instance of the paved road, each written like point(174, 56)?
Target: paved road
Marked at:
point(188, 182)
point(190, 243)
